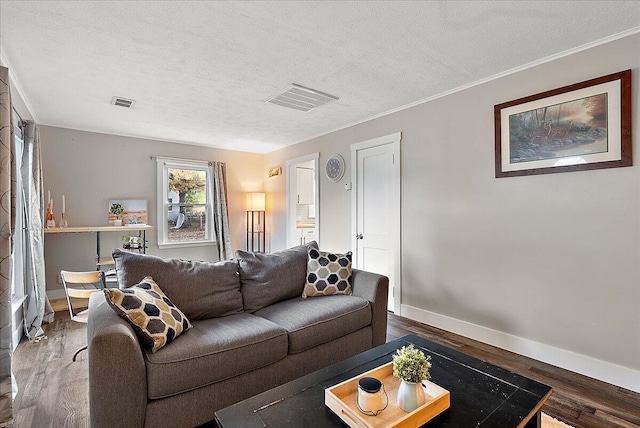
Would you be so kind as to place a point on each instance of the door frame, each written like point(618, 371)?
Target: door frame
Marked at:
point(396, 244)
point(291, 200)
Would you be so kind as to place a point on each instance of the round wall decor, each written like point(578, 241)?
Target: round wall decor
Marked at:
point(335, 167)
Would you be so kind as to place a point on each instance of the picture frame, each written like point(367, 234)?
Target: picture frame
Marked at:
point(275, 171)
point(578, 127)
point(134, 212)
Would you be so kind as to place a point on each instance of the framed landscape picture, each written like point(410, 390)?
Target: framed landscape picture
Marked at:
point(578, 127)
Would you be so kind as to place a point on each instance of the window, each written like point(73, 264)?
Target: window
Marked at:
point(19, 251)
point(184, 203)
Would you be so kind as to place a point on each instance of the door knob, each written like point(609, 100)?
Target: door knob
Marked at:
point(359, 236)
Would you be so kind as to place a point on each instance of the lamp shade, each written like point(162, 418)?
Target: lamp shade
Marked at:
point(255, 202)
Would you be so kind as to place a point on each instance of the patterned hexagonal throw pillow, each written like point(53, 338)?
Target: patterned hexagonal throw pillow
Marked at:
point(327, 273)
point(155, 319)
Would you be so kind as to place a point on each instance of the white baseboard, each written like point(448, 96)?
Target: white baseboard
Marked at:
point(17, 321)
point(56, 294)
point(17, 335)
point(583, 364)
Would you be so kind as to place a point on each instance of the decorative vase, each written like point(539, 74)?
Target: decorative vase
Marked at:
point(117, 222)
point(410, 396)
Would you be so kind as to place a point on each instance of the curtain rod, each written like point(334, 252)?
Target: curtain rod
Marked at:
point(18, 114)
point(182, 159)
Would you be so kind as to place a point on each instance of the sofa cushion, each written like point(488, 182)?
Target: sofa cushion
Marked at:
point(327, 274)
point(155, 319)
point(201, 290)
point(215, 349)
point(312, 322)
point(270, 278)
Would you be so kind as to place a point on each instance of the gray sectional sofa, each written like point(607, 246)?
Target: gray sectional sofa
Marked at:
point(251, 332)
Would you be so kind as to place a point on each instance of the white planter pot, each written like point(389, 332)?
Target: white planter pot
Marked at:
point(410, 396)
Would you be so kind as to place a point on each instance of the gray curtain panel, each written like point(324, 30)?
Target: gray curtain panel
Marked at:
point(37, 308)
point(220, 211)
point(7, 218)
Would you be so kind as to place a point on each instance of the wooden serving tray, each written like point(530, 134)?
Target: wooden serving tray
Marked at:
point(341, 398)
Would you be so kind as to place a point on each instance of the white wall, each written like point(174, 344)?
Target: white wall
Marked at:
point(91, 168)
point(548, 265)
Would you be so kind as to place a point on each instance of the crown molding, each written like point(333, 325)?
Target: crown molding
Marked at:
point(13, 81)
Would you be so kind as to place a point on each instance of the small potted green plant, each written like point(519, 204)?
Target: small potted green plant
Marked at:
point(117, 209)
point(412, 367)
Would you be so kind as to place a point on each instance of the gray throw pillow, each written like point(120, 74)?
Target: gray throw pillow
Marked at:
point(200, 289)
point(270, 278)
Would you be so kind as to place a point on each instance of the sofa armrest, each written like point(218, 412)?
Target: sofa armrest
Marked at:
point(117, 371)
point(374, 288)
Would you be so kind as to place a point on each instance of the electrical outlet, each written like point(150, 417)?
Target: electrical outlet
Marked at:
point(59, 279)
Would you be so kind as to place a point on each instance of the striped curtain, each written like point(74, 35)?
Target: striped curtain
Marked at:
point(7, 221)
point(218, 195)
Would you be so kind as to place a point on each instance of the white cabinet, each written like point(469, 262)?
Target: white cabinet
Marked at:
point(306, 235)
point(306, 186)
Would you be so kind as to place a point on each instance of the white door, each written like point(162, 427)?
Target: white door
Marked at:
point(376, 208)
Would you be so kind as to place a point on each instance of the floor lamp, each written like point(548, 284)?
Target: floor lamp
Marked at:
point(255, 222)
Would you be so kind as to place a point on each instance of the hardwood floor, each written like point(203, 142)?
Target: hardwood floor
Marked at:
point(60, 305)
point(53, 391)
point(577, 400)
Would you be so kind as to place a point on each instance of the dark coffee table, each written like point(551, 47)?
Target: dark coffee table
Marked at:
point(482, 395)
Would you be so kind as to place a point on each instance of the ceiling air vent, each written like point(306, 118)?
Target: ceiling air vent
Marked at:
point(300, 98)
point(122, 102)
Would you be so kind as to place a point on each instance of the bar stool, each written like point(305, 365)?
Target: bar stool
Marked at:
point(84, 285)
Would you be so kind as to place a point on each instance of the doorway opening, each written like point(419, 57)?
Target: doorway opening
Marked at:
point(303, 213)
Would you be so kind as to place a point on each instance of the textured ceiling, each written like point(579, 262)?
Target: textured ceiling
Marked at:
point(200, 71)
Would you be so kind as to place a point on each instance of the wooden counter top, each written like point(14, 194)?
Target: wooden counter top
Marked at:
point(86, 229)
point(305, 225)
